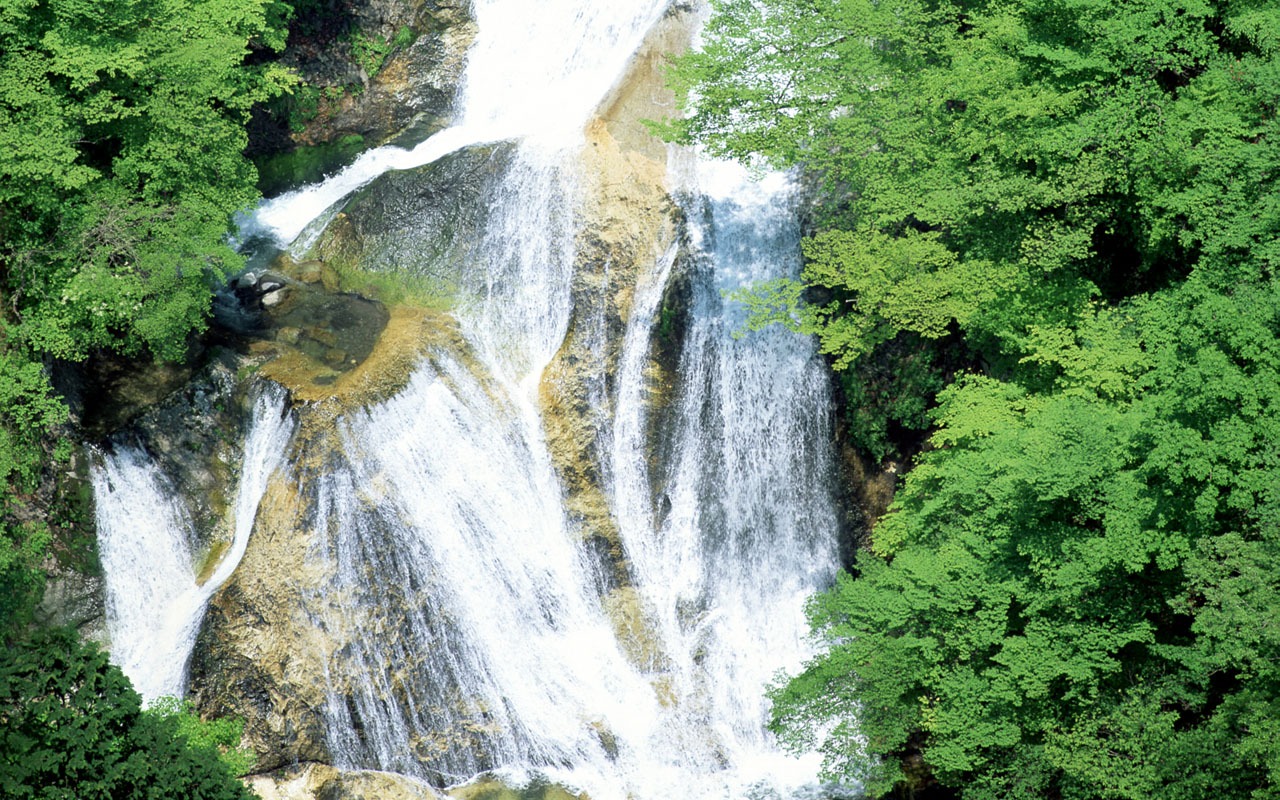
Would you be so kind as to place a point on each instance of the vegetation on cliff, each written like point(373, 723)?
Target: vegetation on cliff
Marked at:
point(122, 133)
point(71, 726)
point(1047, 231)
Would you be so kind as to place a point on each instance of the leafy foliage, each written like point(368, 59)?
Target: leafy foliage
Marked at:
point(1073, 593)
point(71, 726)
point(1073, 590)
point(122, 131)
point(218, 735)
point(994, 166)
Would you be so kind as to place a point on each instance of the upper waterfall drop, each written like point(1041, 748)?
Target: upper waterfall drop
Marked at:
point(527, 77)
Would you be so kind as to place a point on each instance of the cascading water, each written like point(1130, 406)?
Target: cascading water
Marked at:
point(736, 528)
point(155, 599)
point(467, 624)
point(535, 73)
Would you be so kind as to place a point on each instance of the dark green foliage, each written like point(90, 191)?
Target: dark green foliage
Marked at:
point(992, 167)
point(888, 393)
point(1074, 593)
point(72, 727)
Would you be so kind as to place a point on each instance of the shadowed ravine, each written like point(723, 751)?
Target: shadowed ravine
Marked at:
point(573, 540)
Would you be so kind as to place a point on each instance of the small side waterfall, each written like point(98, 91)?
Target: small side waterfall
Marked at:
point(738, 528)
point(146, 541)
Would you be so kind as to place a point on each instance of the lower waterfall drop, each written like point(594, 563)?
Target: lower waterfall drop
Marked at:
point(155, 600)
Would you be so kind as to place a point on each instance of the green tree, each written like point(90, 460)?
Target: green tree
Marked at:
point(988, 168)
point(121, 139)
point(71, 726)
point(222, 736)
point(1072, 594)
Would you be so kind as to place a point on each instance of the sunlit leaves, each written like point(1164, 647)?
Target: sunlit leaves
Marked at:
point(121, 164)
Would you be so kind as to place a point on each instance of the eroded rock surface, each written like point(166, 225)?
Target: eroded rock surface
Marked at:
point(313, 781)
point(629, 222)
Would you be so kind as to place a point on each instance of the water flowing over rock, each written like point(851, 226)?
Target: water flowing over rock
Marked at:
point(158, 581)
point(556, 527)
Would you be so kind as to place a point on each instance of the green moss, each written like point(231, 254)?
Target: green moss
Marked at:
point(209, 562)
point(404, 37)
point(369, 51)
point(397, 287)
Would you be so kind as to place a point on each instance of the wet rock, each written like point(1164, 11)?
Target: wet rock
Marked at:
point(425, 222)
point(635, 629)
point(351, 99)
point(195, 435)
point(76, 599)
point(630, 221)
point(490, 789)
point(261, 654)
point(257, 656)
point(322, 782)
point(335, 357)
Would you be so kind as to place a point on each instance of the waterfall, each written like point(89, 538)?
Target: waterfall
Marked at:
point(467, 623)
point(741, 528)
point(535, 72)
point(146, 542)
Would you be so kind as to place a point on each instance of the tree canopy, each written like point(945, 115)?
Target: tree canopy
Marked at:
point(122, 130)
point(1073, 205)
point(72, 726)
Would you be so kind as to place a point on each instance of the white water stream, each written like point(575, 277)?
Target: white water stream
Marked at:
point(474, 630)
point(155, 600)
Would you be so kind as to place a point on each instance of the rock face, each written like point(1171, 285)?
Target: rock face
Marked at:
point(371, 72)
point(322, 782)
point(423, 222)
point(262, 655)
point(257, 656)
point(629, 222)
point(409, 92)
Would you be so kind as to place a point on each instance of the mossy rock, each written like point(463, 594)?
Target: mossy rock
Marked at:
point(424, 222)
point(489, 789)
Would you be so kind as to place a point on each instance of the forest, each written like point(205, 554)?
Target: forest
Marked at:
point(1041, 253)
point(1042, 258)
point(122, 127)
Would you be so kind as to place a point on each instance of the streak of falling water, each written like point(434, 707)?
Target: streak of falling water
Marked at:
point(503, 657)
point(155, 601)
point(741, 528)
